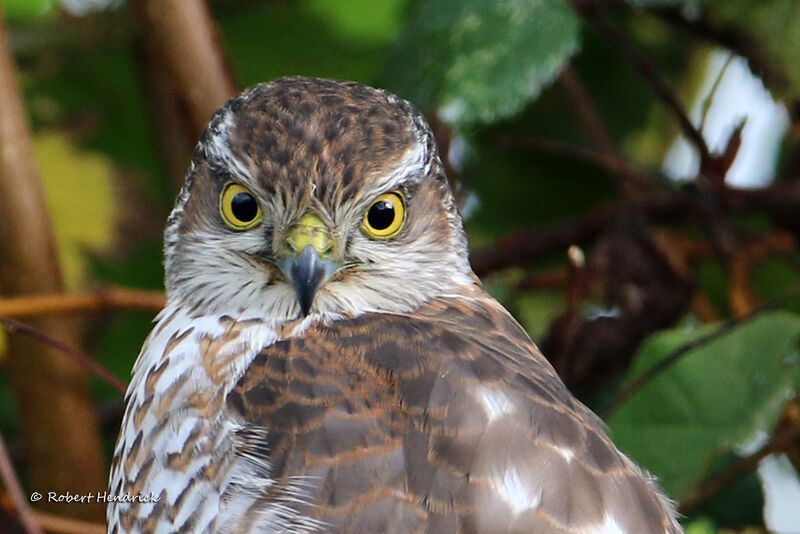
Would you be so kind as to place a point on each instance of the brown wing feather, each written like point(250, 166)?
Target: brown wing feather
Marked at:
point(448, 420)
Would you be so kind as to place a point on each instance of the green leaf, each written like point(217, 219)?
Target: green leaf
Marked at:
point(701, 526)
point(27, 10)
point(662, 3)
point(478, 61)
point(716, 397)
point(319, 38)
point(360, 21)
point(78, 226)
point(773, 28)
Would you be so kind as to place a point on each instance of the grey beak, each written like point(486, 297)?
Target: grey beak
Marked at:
point(307, 272)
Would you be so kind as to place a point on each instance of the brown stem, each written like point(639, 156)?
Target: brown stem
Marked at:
point(568, 326)
point(613, 163)
point(170, 116)
point(555, 279)
point(703, 308)
point(741, 295)
point(633, 183)
point(79, 356)
point(791, 417)
point(590, 11)
point(97, 301)
point(522, 247)
point(14, 489)
point(680, 251)
point(738, 469)
point(55, 411)
point(187, 39)
point(62, 525)
point(586, 111)
point(781, 201)
point(728, 37)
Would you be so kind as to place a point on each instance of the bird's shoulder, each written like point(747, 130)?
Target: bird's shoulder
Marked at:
point(447, 419)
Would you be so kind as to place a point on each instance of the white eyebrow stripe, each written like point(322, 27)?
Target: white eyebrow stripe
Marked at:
point(413, 163)
point(219, 153)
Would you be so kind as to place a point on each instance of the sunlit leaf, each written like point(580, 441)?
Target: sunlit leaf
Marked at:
point(80, 198)
point(702, 526)
point(713, 399)
point(25, 10)
point(477, 61)
point(359, 20)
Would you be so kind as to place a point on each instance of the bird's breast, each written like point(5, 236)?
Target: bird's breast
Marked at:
point(176, 442)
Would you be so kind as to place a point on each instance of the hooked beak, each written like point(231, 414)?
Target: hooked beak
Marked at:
point(307, 265)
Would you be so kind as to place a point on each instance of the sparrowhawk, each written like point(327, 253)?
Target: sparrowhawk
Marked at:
point(328, 362)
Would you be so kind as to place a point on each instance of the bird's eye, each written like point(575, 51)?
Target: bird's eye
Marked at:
point(384, 217)
point(239, 207)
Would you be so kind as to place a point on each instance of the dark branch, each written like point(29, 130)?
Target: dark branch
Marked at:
point(81, 357)
point(590, 11)
point(728, 37)
point(520, 248)
point(781, 201)
point(710, 487)
point(675, 356)
point(611, 162)
point(14, 488)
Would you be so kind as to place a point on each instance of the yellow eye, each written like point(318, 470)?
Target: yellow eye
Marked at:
point(239, 207)
point(384, 217)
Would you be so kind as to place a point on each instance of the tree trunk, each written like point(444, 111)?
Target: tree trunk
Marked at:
point(56, 416)
point(184, 34)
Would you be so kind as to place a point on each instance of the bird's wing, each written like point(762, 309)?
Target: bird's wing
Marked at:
point(446, 421)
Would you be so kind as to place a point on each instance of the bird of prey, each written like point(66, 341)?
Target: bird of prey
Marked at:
point(327, 362)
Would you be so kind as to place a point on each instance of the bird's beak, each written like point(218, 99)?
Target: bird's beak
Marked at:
point(307, 264)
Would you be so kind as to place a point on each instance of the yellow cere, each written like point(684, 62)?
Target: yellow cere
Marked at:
point(239, 207)
point(385, 216)
point(310, 230)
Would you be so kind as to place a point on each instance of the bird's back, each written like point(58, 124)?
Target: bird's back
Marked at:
point(445, 420)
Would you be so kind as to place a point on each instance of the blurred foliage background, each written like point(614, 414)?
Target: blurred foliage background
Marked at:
point(593, 147)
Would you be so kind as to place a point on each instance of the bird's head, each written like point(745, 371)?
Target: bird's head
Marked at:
point(315, 196)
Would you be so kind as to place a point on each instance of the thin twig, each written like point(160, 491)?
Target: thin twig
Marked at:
point(586, 111)
point(631, 182)
point(95, 301)
point(738, 469)
point(187, 38)
point(610, 162)
point(522, 247)
point(676, 355)
point(66, 451)
point(646, 69)
point(14, 488)
point(554, 279)
point(171, 120)
point(709, 99)
point(81, 357)
point(727, 37)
